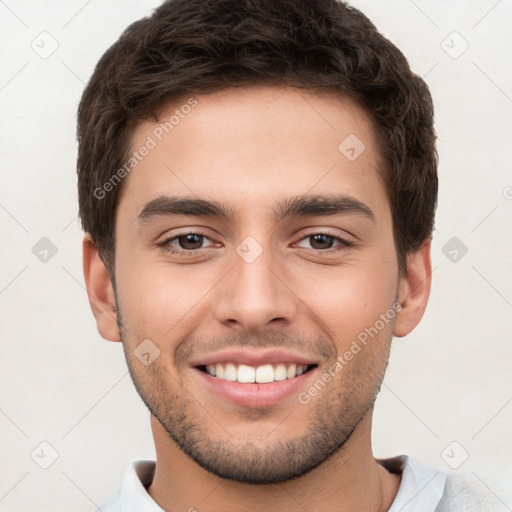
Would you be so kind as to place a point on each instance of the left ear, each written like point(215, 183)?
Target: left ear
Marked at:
point(414, 290)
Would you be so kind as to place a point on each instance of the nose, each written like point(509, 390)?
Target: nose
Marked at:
point(254, 296)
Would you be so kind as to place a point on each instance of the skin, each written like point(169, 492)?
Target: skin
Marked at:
point(251, 148)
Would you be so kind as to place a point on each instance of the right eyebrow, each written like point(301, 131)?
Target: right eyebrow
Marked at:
point(167, 206)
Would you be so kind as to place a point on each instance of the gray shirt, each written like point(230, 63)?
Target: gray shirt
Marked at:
point(422, 489)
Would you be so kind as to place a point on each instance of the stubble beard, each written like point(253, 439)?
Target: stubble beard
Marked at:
point(333, 421)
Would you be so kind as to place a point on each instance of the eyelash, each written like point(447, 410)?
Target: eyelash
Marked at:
point(166, 244)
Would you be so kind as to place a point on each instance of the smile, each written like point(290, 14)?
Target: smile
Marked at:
point(262, 374)
point(251, 377)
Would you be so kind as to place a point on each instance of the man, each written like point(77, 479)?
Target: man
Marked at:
point(258, 183)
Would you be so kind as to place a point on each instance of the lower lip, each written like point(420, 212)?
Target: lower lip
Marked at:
point(255, 394)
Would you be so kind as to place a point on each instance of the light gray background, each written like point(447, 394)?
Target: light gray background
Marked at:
point(450, 380)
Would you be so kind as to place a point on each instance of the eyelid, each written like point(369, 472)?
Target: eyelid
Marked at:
point(344, 241)
point(334, 232)
point(165, 244)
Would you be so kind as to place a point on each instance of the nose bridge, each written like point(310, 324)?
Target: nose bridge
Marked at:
point(254, 295)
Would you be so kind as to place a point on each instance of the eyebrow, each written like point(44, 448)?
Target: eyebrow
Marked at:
point(297, 206)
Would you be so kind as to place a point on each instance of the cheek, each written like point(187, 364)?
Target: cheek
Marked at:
point(160, 303)
point(348, 299)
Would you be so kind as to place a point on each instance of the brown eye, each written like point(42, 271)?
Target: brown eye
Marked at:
point(321, 241)
point(190, 241)
point(186, 244)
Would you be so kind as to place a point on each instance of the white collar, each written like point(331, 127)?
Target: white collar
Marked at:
point(133, 496)
point(421, 487)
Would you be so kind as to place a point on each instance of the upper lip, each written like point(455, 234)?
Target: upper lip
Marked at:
point(256, 357)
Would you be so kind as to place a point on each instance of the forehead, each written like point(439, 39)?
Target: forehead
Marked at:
point(250, 147)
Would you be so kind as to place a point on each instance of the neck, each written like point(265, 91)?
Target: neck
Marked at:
point(350, 480)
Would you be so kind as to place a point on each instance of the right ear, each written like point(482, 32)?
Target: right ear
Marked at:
point(100, 291)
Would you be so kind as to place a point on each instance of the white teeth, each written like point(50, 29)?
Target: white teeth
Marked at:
point(230, 372)
point(290, 372)
point(246, 373)
point(219, 371)
point(261, 374)
point(265, 374)
point(280, 372)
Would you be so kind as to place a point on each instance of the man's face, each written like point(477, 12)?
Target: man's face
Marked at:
point(275, 281)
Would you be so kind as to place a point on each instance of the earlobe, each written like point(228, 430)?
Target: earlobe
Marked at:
point(100, 291)
point(414, 290)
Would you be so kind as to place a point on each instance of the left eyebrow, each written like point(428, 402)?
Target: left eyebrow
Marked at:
point(297, 206)
point(320, 205)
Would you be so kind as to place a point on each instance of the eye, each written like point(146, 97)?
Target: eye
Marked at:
point(184, 243)
point(326, 242)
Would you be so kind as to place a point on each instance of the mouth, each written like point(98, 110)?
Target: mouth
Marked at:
point(254, 378)
point(262, 374)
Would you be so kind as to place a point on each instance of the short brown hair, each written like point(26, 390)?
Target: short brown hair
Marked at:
point(189, 47)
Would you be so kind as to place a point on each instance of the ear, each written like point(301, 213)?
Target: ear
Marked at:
point(100, 291)
point(414, 290)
